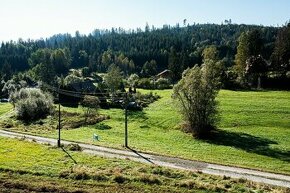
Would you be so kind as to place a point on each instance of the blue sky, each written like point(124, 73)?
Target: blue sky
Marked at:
point(42, 18)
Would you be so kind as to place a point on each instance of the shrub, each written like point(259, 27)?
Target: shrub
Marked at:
point(72, 79)
point(145, 99)
point(196, 93)
point(145, 83)
point(162, 83)
point(74, 147)
point(90, 105)
point(132, 80)
point(32, 104)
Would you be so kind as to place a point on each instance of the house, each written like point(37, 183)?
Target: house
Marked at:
point(165, 74)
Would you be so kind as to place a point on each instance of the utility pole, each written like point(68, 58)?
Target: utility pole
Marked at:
point(58, 141)
point(126, 119)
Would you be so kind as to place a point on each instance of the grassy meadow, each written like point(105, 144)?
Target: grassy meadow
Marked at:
point(254, 131)
point(30, 167)
point(4, 108)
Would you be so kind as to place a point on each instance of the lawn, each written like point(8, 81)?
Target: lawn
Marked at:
point(30, 167)
point(254, 131)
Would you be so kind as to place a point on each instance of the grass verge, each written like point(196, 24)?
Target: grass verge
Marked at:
point(30, 167)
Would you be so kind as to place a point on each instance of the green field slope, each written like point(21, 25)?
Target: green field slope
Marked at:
point(254, 131)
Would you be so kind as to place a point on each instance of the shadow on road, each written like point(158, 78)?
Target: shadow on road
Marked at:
point(141, 156)
point(69, 156)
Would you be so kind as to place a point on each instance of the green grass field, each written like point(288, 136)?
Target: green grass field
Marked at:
point(30, 167)
point(254, 131)
point(4, 108)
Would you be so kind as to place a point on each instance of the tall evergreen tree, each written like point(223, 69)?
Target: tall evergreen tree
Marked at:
point(174, 64)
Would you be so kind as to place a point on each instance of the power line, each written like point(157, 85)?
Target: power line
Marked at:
point(76, 92)
point(83, 94)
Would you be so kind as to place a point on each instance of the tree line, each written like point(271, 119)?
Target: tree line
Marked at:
point(248, 53)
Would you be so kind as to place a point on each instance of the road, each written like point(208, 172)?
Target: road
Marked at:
point(176, 163)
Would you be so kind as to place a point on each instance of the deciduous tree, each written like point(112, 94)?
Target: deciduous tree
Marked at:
point(250, 44)
point(196, 93)
point(113, 78)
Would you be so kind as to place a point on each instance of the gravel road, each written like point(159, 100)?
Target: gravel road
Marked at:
point(177, 163)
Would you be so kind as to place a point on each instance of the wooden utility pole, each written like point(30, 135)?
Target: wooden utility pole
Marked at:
point(126, 120)
point(59, 119)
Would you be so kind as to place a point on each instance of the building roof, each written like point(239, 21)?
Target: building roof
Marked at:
point(163, 72)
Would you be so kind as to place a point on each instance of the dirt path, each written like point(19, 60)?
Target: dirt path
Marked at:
point(177, 163)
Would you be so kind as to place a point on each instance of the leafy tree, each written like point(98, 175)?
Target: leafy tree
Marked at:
point(196, 93)
point(12, 86)
point(250, 44)
point(113, 78)
point(47, 63)
point(256, 67)
point(18, 81)
point(43, 72)
point(83, 58)
point(133, 80)
point(106, 60)
point(61, 59)
point(124, 63)
point(32, 104)
point(72, 79)
point(211, 53)
point(281, 55)
point(40, 56)
point(90, 105)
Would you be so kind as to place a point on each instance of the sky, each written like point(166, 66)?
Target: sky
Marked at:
point(36, 19)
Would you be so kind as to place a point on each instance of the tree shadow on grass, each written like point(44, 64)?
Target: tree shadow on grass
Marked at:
point(137, 115)
point(247, 143)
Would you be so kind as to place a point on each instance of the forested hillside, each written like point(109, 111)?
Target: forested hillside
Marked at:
point(145, 52)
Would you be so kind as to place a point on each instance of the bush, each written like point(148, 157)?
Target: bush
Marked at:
point(74, 147)
point(145, 99)
point(162, 83)
point(133, 80)
point(196, 93)
point(145, 83)
point(32, 104)
point(72, 79)
point(90, 105)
